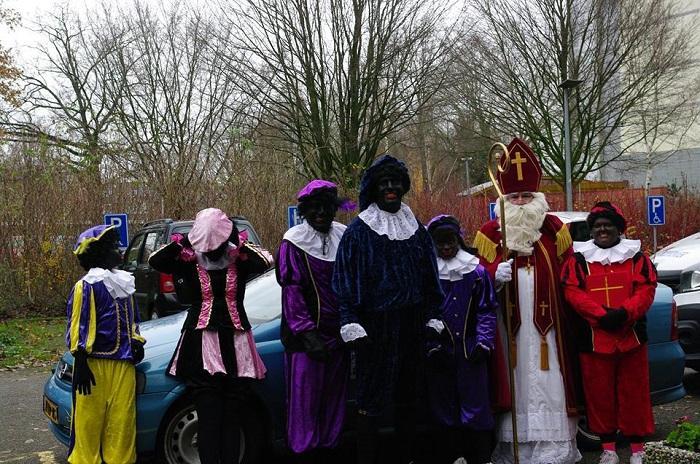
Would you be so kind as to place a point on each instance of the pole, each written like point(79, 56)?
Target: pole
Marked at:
point(507, 309)
point(466, 169)
point(567, 154)
point(654, 235)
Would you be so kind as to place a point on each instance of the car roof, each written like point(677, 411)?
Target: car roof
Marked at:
point(570, 216)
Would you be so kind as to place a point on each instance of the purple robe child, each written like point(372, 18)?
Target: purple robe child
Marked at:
point(316, 363)
point(458, 380)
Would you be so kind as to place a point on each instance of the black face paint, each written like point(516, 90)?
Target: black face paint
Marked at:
point(388, 193)
point(319, 214)
point(215, 255)
point(605, 234)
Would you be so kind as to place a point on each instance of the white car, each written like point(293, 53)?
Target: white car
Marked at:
point(678, 264)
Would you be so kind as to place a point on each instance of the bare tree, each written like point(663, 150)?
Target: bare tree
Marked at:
point(179, 116)
point(526, 48)
point(71, 98)
point(333, 77)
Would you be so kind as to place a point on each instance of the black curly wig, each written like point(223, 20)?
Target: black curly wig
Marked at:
point(605, 209)
point(101, 253)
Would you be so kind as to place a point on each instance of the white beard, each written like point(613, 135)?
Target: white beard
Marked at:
point(523, 223)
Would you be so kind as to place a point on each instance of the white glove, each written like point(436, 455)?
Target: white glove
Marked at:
point(351, 332)
point(436, 324)
point(504, 272)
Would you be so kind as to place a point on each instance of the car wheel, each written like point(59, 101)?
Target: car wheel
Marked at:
point(177, 437)
point(587, 440)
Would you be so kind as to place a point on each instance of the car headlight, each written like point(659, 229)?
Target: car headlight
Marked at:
point(64, 371)
point(689, 281)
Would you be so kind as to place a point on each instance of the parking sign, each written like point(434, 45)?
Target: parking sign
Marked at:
point(656, 210)
point(492, 211)
point(293, 218)
point(121, 222)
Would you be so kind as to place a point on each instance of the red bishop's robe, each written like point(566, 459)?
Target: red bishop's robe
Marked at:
point(549, 253)
point(614, 364)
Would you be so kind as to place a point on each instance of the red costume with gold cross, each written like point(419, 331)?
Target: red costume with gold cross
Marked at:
point(614, 363)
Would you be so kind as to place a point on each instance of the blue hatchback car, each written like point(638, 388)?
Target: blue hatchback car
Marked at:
point(167, 422)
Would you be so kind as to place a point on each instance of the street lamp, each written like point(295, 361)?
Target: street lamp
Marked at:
point(466, 170)
point(567, 85)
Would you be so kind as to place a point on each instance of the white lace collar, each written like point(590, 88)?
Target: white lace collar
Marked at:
point(453, 269)
point(120, 284)
point(620, 253)
point(396, 226)
point(311, 241)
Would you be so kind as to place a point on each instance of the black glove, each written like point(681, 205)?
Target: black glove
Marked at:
point(137, 351)
point(314, 346)
point(439, 357)
point(479, 354)
point(82, 375)
point(432, 335)
point(614, 319)
point(358, 343)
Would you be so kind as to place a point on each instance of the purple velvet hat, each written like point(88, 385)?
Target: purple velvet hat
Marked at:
point(316, 185)
point(444, 220)
point(89, 236)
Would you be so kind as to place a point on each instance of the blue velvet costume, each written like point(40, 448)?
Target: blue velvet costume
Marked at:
point(391, 288)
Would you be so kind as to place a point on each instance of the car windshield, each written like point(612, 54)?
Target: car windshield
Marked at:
point(263, 297)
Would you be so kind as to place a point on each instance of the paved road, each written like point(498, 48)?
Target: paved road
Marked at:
point(25, 438)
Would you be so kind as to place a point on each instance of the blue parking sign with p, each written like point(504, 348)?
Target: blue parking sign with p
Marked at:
point(656, 210)
point(293, 218)
point(121, 222)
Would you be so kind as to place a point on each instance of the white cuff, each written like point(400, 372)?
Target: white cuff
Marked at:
point(351, 332)
point(436, 324)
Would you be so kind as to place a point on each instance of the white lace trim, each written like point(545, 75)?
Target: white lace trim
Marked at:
point(396, 226)
point(453, 269)
point(311, 241)
point(352, 331)
point(620, 253)
point(120, 284)
point(436, 324)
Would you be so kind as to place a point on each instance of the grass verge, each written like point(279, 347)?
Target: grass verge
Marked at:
point(27, 342)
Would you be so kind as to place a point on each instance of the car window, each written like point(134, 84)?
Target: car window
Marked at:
point(579, 231)
point(149, 246)
point(263, 298)
point(132, 253)
point(181, 230)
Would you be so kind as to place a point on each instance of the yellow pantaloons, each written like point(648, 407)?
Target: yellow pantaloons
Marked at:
point(104, 422)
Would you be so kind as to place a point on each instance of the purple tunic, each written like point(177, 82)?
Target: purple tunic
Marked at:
point(316, 391)
point(459, 389)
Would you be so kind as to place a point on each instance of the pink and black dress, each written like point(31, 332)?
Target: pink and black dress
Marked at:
point(216, 339)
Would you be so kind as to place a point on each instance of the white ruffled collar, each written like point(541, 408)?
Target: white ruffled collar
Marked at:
point(396, 226)
point(453, 269)
point(311, 241)
point(620, 253)
point(120, 284)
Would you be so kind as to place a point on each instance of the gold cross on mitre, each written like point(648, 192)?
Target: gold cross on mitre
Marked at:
point(607, 289)
point(518, 162)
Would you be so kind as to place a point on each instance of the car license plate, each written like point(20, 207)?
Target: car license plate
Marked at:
point(51, 410)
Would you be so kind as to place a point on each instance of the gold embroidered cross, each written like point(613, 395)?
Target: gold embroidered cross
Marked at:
point(607, 289)
point(518, 162)
point(543, 307)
